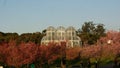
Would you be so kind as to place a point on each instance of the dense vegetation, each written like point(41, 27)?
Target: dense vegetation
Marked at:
point(25, 37)
point(25, 50)
point(89, 34)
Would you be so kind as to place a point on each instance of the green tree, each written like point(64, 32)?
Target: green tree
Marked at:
point(25, 37)
point(1, 37)
point(6, 37)
point(30, 37)
point(90, 32)
point(36, 37)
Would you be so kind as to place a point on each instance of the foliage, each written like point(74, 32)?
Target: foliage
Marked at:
point(30, 37)
point(72, 53)
point(18, 55)
point(26, 53)
point(6, 37)
point(25, 37)
point(90, 33)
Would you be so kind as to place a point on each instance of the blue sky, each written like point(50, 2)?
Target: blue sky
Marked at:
point(24, 16)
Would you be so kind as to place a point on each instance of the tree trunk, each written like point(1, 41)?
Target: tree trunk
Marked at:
point(17, 67)
point(27, 65)
point(63, 65)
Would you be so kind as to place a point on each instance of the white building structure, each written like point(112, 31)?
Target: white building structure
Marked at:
point(61, 34)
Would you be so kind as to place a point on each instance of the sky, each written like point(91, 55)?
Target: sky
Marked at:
point(27, 16)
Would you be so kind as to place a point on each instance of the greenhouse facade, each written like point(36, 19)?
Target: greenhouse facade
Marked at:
point(61, 34)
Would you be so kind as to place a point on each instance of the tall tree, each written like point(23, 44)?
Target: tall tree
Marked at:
point(23, 54)
point(90, 32)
